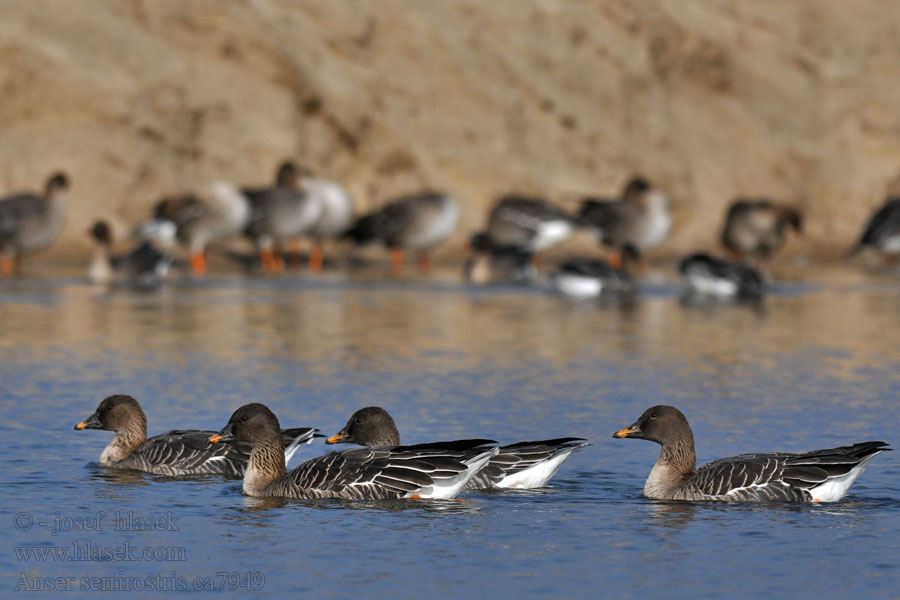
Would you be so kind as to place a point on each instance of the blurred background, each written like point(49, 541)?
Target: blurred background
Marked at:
point(710, 100)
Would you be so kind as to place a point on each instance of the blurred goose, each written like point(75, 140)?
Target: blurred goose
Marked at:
point(757, 227)
point(490, 263)
point(524, 465)
point(707, 275)
point(639, 219)
point(588, 277)
point(280, 214)
point(417, 222)
point(31, 222)
point(144, 267)
point(178, 452)
point(882, 232)
point(336, 217)
point(820, 476)
point(439, 470)
point(528, 222)
point(214, 213)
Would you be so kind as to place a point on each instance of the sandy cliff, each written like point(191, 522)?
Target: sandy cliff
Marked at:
point(796, 100)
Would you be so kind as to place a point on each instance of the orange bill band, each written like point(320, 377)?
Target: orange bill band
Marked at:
point(337, 438)
point(215, 438)
point(81, 425)
point(626, 432)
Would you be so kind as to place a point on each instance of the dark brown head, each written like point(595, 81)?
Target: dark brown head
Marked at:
point(250, 425)
point(101, 232)
point(635, 187)
point(57, 182)
point(371, 426)
point(289, 173)
point(665, 425)
point(116, 413)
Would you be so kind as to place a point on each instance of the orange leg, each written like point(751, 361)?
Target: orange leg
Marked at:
point(396, 261)
point(271, 263)
point(198, 263)
point(536, 260)
point(315, 259)
point(424, 262)
point(7, 265)
point(278, 261)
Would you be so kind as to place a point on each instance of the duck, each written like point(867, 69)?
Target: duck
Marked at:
point(440, 470)
point(882, 232)
point(528, 222)
point(212, 214)
point(706, 275)
point(145, 267)
point(523, 465)
point(757, 227)
point(491, 263)
point(419, 222)
point(819, 476)
point(30, 222)
point(178, 452)
point(639, 219)
point(582, 277)
point(281, 213)
point(336, 218)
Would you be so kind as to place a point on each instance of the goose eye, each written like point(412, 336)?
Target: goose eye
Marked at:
point(359, 420)
point(244, 418)
point(653, 415)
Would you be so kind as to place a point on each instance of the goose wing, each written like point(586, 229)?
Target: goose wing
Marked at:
point(883, 224)
point(542, 458)
point(15, 208)
point(188, 452)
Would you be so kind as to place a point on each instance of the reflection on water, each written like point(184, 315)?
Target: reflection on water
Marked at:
point(816, 368)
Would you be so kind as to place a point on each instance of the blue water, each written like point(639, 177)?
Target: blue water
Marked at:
point(816, 368)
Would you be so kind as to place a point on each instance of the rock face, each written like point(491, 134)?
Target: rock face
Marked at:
point(798, 101)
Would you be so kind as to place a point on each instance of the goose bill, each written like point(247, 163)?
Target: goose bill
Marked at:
point(631, 431)
point(338, 438)
point(223, 436)
point(92, 422)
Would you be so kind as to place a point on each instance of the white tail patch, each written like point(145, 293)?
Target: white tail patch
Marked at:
point(579, 286)
point(835, 487)
point(536, 476)
point(550, 233)
point(303, 438)
point(449, 488)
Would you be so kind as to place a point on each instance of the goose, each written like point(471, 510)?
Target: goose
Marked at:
point(757, 227)
point(491, 263)
point(214, 213)
point(581, 277)
point(528, 222)
point(281, 213)
point(708, 276)
point(336, 217)
point(439, 470)
point(882, 232)
point(178, 452)
point(30, 222)
point(819, 476)
point(416, 222)
point(145, 267)
point(639, 219)
point(524, 465)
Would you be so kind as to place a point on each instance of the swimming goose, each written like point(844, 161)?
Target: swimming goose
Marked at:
point(707, 275)
point(178, 452)
point(417, 222)
point(439, 470)
point(214, 213)
point(30, 222)
point(528, 222)
point(144, 267)
point(281, 213)
point(589, 277)
point(523, 465)
point(882, 232)
point(639, 219)
point(492, 263)
point(757, 227)
point(820, 476)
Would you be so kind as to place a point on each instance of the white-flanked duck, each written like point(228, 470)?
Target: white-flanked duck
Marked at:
point(280, 214)
point(882, 232)
point(31, 222)
point(524, 465)
point(491, 263)
point(705, 275)
point(528, 222)
point(214, 213)
point(145, 267)
point(582, 277)
point(439, 470)
point(639, 219)
point(757, 228)
point(819, 476)
point(178, 452)
point(417, 222)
